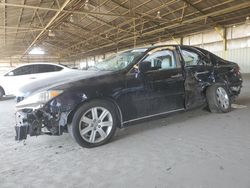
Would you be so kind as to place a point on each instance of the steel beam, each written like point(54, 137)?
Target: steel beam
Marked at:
point(174, 24)
point(20, 28)
point(148, 17)
point(4, 23)
point(131, 20)
point(50, 22)
point(192, 20)
point(33, 17)
point(165, 15)
point(199, 10)
point(20, 18)
point(66, 11)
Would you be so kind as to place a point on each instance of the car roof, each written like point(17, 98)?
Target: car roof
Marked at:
point(59, 65)
point(25, 64)
point(159, 46)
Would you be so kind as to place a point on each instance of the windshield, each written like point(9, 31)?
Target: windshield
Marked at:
point(119, 61)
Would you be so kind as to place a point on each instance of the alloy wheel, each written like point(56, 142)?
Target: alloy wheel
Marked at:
point(95, 124)
point(222, 97)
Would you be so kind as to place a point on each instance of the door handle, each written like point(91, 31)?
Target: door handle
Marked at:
point(32, 77)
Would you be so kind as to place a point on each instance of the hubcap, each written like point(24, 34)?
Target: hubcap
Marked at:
point(96, 124)
point(222, 97)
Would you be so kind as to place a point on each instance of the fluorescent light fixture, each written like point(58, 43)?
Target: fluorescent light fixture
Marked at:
point(158, 16)
point(71, 18)
point(36, 51)
point(247, 20)
point(86, 5)
point(51, 33)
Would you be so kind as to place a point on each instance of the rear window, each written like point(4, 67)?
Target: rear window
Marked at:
point(214, 58)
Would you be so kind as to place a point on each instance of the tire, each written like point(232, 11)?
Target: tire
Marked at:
point(94, 123)
point(218, 99)
point(1, 92)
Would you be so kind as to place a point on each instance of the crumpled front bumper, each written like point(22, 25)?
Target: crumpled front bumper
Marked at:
point(39, 122)
point(27, 123)
point(50, 118)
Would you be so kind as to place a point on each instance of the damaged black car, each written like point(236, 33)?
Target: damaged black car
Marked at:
point(133, 85)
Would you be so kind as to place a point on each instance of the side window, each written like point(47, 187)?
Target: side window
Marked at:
point(46, 68)
point(28, 69)
point(192, 58)
point(161, 60)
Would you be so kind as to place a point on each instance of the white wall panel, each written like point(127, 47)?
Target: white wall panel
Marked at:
point(196, 39)
point(238, 43)
point(216, 46)
point(239, 31)
point(211, 36)
point(186, 41)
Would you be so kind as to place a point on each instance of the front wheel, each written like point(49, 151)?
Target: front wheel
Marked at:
point(218, 99)
point(94, 123)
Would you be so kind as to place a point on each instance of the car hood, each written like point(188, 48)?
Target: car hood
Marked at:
point(56, 80)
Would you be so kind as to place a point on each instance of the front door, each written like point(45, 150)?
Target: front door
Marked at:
point(160, 89)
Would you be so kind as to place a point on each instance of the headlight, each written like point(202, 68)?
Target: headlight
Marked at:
point(38, 100)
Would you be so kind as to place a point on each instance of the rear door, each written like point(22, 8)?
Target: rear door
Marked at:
point(198, 74)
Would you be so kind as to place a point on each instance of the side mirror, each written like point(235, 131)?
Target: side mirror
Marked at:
point(11, 73)
point(144, 66)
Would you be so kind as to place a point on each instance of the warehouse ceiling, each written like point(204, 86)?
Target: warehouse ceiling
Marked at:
point(78, 28)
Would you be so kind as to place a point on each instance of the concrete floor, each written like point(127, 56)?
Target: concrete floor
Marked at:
point(187, 150)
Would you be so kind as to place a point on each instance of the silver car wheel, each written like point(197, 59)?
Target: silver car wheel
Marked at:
point(95, 124)
point(222, 97)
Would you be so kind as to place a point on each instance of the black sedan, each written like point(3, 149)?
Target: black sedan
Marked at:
point(130, 86)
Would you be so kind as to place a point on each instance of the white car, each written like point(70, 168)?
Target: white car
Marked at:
point(11, 81)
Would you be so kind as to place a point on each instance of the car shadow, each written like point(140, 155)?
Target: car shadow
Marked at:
point(160, 121)
point(170, 120)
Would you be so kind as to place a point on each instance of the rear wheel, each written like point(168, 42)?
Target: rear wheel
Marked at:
point(218, 99)
point(94, 123)
point(1, 93)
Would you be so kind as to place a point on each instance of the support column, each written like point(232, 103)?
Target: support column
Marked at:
point(223, 33)
point(225, 39)
point(181, 41)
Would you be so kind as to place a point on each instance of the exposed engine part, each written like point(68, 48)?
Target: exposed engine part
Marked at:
point(32, 124)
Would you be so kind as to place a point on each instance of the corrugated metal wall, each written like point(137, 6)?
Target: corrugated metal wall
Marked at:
point(238, 44)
